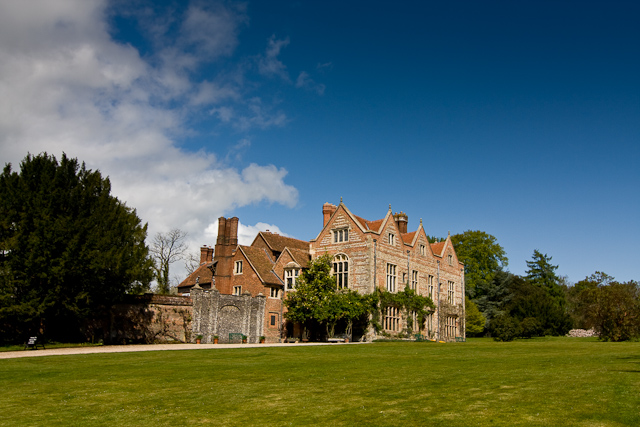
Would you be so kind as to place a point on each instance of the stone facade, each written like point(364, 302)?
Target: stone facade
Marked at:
point(216, 314)
point(382, 254)
point(151, 319)
point(366, 255)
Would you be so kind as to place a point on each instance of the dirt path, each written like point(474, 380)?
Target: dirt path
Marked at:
point(142, 347)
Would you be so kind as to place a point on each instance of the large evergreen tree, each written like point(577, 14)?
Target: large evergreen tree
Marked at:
point(542, 297)
point(68, 249)
point(543, 273)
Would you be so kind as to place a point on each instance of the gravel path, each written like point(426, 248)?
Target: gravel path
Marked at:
point(143, 347)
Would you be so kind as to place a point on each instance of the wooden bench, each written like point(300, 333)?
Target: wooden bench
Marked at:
point(335, 339)
point(33, 344)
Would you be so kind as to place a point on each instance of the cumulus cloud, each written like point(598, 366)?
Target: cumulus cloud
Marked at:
point(246, 233)
point(67, 86)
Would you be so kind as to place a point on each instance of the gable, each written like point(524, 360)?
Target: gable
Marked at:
point(261, 263)
point(391, 227)
point(421, 238)
point(341, 219)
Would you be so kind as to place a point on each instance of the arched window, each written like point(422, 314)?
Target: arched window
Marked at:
point(341, 270)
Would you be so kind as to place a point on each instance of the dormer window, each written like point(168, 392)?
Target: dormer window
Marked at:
point(341, 235)
point(238, 268)
point(290, 276)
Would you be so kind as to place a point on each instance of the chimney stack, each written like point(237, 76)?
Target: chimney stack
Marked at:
point(402, 220)
point(226, 243)
point(327, 210)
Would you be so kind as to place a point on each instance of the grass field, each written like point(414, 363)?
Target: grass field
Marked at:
point(539, 382)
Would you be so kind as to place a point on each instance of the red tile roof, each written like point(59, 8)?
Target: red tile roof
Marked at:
point(437, 248)
point(407, 238)
point(370, 225)
point(277, 242)
point(204, 272)
point(302, 257)
point(262, 263)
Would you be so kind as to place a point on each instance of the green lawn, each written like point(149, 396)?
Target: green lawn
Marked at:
point(547, 381)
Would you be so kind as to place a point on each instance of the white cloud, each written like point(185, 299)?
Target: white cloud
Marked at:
point(246, 233)
point(269, 64)
point(67, 86)
point(304, 81)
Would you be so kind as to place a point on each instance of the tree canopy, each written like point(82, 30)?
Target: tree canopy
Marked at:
point(482, 257)
point(68, 249)
point(610, 307)
point(317, 299)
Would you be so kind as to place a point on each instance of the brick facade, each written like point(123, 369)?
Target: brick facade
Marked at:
point(367, 254)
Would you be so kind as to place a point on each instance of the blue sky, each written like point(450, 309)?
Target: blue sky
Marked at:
point(521, 119)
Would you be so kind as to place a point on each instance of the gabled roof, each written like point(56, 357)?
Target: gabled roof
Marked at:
point(370, 225)
point(204, 272)
point(261, 263)
point(301, 257)
point(277, 243)
point(438, 248)
point(408, 238)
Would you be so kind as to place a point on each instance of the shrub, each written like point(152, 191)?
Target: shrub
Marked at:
point(505, 328)
point(531, 327)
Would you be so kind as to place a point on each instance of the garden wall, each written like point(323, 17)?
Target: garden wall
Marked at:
point(151, 318)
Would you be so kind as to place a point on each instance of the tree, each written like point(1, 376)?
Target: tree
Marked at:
point(493, 296)
point(317, 301)
point(616, 312)
point(191, 262)
point(582, 298)
point(68, 249)
point(474, 320)
point(543, 273)
point(529, 300)
point(610, 307)
point(166, 249)
point(482, 257)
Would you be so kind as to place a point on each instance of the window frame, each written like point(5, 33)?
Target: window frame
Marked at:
point(341, 235)
point(340, 270)
point(237, 268)
point(392, 277)
point(451, 292)
point(391, 320)
point(290, 277)
point(275, 290)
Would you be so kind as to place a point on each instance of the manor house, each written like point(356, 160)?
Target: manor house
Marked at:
point(366, 254)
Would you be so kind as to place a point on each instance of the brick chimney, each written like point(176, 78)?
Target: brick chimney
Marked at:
point(206, 254)
point(402, 220)
point(226, 244)
point(327, 210)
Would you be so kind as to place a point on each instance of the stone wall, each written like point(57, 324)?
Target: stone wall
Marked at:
point(151, 318)
point(215, 314)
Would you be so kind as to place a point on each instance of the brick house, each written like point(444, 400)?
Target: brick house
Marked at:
point(365, 254)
